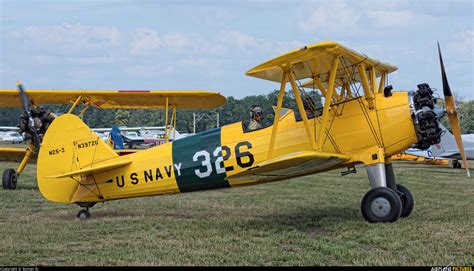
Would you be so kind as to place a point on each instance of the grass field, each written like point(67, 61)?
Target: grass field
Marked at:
point(314, 220)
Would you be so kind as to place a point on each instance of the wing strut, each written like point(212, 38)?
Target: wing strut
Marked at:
point(277, 115)
point(174, 122)
point(302, 111)
point(288, 75)
point(166, 120)
point(327, 102)
point(369, 96)
point(75, 104)
point(329, 92)
point(382, 82)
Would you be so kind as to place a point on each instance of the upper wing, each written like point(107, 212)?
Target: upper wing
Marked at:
point(315, 61)
point(12, 154)
point(185, 99)
point(290, 165)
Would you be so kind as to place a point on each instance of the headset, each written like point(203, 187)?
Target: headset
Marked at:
point(255, 112)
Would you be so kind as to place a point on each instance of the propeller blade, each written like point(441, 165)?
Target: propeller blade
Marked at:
point(452, 113)
point(25, 101)
point(446, 88)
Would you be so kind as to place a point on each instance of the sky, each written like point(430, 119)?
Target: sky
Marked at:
point(209, 45)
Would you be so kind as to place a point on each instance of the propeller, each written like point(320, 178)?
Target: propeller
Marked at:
point(452, 113)
point(25, 101)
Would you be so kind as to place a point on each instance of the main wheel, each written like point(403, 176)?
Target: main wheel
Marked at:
point(381, 204)
point(83, 214)
point(10, 179)
point(407, 200)
point(456, 164)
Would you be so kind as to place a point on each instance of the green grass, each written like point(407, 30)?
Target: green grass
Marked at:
point(313, 220)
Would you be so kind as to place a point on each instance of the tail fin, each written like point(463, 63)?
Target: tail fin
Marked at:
point(69, 147)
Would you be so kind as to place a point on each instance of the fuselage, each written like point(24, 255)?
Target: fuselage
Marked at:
point(206, 160)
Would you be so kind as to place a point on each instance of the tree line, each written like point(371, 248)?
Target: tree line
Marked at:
point(234, 110)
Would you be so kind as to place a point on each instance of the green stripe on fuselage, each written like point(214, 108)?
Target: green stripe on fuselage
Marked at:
point(200, 162)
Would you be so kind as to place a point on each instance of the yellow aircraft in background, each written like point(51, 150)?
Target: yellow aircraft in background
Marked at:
point(30, 101)
point(362, 122)
point(419, 159)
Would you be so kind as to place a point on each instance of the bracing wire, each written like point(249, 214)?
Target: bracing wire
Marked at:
point(364, 109)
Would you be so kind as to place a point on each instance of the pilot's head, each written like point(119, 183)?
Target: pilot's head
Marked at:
point(256, 112)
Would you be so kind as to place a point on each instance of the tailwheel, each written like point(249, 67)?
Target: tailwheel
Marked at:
point(84, 214)
point(10, 178)
point(407, 200)
point(381, 204)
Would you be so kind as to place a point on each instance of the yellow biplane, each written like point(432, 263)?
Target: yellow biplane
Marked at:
point(30, 101)
point(362, 122)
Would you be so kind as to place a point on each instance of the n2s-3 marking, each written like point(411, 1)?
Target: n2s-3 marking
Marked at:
point(243, 156)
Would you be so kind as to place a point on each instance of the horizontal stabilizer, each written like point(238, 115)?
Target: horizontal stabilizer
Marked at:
point(94, 169)
point(293, 164)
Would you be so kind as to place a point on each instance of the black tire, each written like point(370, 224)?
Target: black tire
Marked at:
point(83, 214)
point(381, 204)
point(456, 164)
point(10, 179)
point(407, 200)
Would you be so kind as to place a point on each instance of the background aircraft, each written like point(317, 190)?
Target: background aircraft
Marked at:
point(8, 128)
point(35, 120)
point(468, 138)
point(149, 136)
point(448, 149)
point(438, 153)
point(10, 135)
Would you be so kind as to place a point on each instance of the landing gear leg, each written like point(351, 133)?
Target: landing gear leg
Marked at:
point(390, 175)
point(405, 195)
point(10, 176)
point(381, 203)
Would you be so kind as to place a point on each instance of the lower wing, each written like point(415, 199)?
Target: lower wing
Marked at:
point(291, 165)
